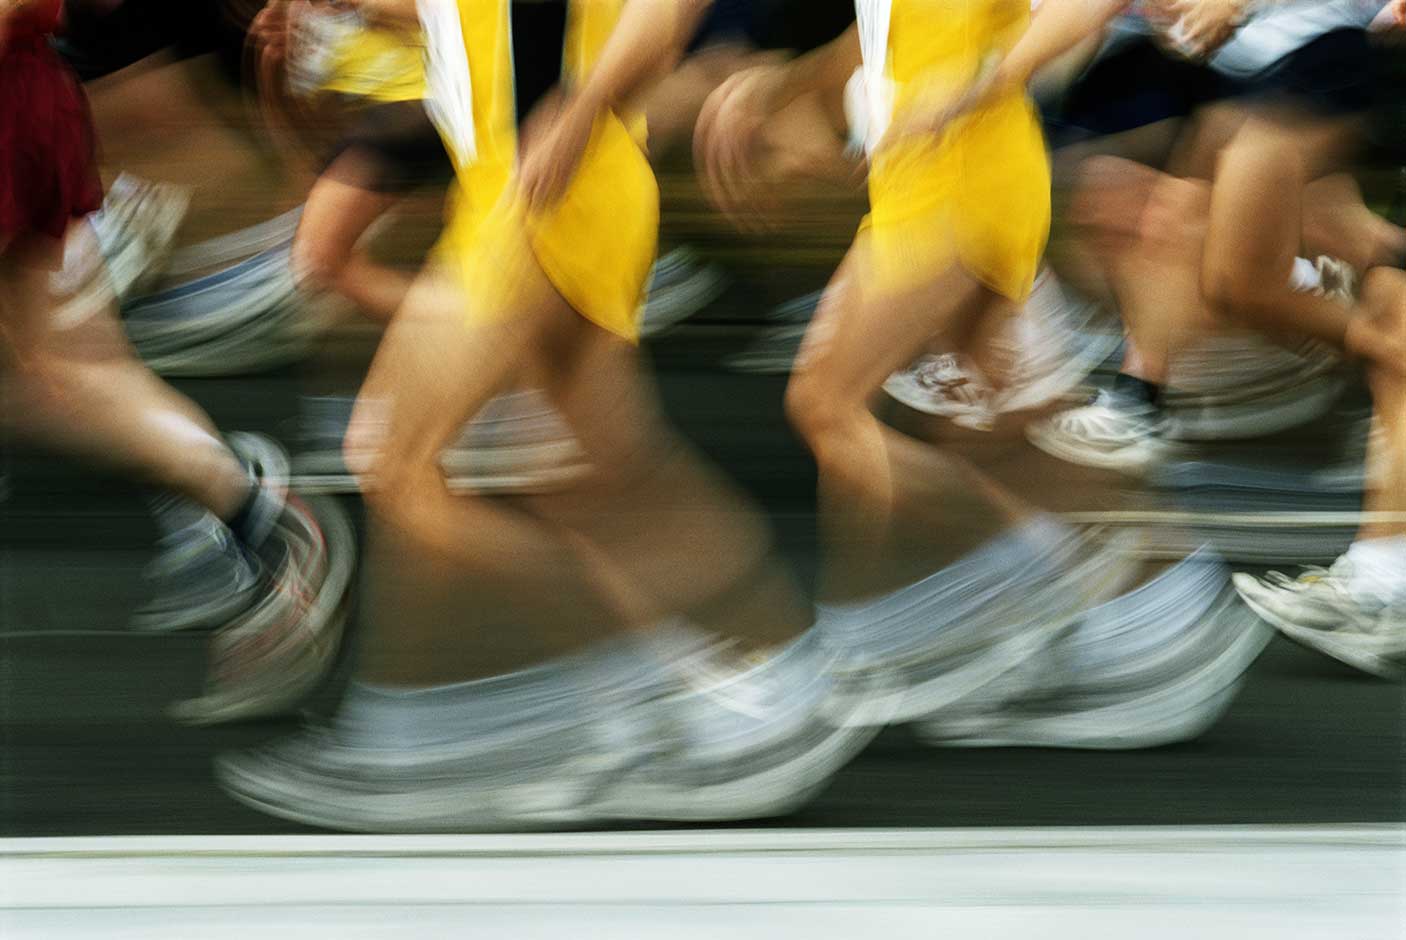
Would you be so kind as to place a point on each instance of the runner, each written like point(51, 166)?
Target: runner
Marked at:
point(960, 195)
point(578, 684)
point(227, 556)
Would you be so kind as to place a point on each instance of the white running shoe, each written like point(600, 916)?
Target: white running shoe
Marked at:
point(1048, 351)
point(740, 742)
point(963, 638)
point(1055, 345)
point(1110, 433)
point(681, 741)
point(1244, 386)
point(518, 443)
point(948, 386)
point(1157, 665)
point(1318, 610)
point(137, 228)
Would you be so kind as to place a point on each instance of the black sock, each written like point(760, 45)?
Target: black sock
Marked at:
point(1135, 389)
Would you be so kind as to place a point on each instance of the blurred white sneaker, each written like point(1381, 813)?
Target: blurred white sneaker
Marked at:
point(963, 637)
point(1243, 387)
point(948, 386)
point(1112, 432)
point(1155, 666)
point(1320, 610)
point(740, 741)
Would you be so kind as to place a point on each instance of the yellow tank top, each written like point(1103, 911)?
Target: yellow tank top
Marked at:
point(379, 63)
point(938, 47)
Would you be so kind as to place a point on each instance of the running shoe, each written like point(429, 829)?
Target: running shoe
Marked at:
point(1051, 348)
point(685, 738)
point(1245, 387)
point(274, 653)
point(962, 638)
point(1113, 432)
point(738, 741)
point(948, 386)
point(201, 578)
point(1318, 610)
point(136, 229)
point(1157, 665)
point(776, 350)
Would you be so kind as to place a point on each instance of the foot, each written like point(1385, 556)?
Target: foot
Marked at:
point(965, 637)
point(281, 647)
point(1154, 666)
point(1113, 432)
point(685, 736)
point(1319, 610)
point(518, 443)
point(201, 578)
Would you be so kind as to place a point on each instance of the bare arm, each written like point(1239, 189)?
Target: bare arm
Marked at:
point(648, 40)
point(1058, 27)
point(826, 69)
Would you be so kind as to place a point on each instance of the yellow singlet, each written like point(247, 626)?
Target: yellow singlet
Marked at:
point(597, 244)
point(978, 194)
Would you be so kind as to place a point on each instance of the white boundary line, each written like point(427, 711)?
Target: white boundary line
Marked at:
point(707, 841)
point(1156, 883)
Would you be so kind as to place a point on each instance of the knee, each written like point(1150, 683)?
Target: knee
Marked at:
point(1230, 290)
point(820, 415)
point(317, 264)
point(1384, 294)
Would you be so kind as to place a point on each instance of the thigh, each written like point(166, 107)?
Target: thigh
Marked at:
point(339, 209)
point(440, 362)
point(860, 337)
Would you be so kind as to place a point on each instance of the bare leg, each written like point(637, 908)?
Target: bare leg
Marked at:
point(1385, 291)
point(1149, 231)
point(870, 474)
point(1255, 233)
point(339, 210)
point(684, 537)
point(85, 393)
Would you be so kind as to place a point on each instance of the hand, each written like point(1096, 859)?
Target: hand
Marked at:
point(1203, 26)
point(727, 145)
point(933, 119)
point(269, 32)
point(551, 156)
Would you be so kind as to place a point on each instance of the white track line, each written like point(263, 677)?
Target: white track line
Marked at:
point(1160, 883)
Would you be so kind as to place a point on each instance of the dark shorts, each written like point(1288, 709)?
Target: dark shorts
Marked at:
point(398, 142)
point(97, 44)
point(1138, 83)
